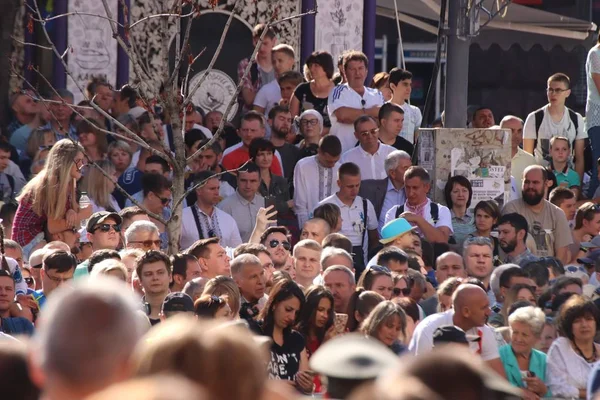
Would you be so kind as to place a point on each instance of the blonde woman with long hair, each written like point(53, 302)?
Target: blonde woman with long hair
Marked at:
point(48, 201)
point(99, 188)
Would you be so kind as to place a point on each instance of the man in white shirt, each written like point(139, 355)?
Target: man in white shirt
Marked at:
point(349, 101)
point(520, 158)
point(433, 221)
point(203, 220)
point(370, 154)
point(555, 119)
point(359, 222)
point(283, 59)
point(401, 87)
point(315, 177)
point(471, 309)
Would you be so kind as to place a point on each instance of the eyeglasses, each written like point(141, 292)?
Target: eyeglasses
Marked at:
point(372, 132)
point(309, 122)
point(148, 243)
point(29, 281)
point(274, 243)
point(398, 291)
point(557, 91)
point(57, 279)
point(106, 228)
point(80, 163)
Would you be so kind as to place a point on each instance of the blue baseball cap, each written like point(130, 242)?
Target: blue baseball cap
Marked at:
point(395, 229)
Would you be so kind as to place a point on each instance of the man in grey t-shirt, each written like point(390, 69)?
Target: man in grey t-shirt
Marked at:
point(547, 223)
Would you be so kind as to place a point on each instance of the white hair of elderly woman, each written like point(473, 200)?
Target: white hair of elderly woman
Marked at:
point(532, 316)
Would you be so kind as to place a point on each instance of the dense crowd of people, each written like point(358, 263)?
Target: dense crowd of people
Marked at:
point(311, 260)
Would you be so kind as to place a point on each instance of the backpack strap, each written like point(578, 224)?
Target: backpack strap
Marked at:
point(197, 220)
point(399, 210)
point(365, 220)
point(538, 117)
point(435, 212)
point(170, 137)
point(574, 119)
point(254, 73)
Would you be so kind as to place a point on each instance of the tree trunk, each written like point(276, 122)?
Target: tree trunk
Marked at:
point(7, 23)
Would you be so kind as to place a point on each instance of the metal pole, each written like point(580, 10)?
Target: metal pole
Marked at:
point(369, 17)
point(457, 78)
point(307, 34)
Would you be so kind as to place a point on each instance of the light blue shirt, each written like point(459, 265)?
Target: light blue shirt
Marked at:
point(393, 197)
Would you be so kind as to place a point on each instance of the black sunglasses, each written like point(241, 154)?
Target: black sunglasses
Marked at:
point(106, 228)
point(274, 243)
point(398, 291)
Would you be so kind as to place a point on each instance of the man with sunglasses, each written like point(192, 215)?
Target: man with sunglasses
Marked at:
point(103, 232)
point(157, 200)
point(275, 239)
point(370, 154)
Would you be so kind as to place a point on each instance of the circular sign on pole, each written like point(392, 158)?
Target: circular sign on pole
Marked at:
point(215, 93)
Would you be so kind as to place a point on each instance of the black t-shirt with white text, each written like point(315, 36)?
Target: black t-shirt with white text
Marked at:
point(285, 360)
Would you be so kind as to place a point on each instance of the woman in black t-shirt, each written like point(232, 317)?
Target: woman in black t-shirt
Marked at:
point(313, 95)
point(289, 361)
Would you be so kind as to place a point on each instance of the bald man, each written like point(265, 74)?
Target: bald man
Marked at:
point(471, 309)
point(520, 158)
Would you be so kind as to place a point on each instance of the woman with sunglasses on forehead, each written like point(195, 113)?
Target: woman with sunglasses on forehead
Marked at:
point(377, 279)
point(587, 226)
point(49, 199)
point(99, 188)
point(213, 307)
point(289, 360)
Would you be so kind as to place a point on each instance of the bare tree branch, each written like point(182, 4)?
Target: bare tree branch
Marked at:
point(191, 93)
point(160, 16)
point(48, 19)
point(30, 44)
point(239, 86)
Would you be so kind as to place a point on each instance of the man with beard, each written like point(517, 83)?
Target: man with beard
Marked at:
point(547, 223)
point(280, 121)
point(512, 236)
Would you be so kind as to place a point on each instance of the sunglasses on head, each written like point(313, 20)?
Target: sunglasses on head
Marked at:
point(274, 243)
point(573, 269)
point(106, 228)
point(379, 268)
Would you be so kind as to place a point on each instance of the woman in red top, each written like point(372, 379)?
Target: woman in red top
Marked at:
point(48, 200)
point(316, 321)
